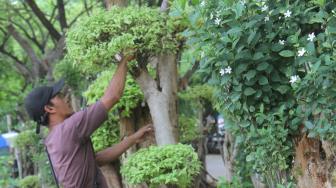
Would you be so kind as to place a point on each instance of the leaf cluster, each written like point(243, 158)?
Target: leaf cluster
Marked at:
point(94, 42)
point(164, 165)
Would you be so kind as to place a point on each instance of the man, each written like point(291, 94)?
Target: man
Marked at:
point(68, 143)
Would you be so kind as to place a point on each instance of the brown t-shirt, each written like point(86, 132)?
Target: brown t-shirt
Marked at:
point(71, 151)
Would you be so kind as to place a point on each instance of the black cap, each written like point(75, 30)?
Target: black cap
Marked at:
point(38, 98)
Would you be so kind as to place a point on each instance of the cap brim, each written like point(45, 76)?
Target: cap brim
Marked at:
point(57, 87)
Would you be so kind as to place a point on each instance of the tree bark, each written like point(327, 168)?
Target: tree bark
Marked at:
point(229, 153)
point(61, 13)
point(110, 3)
point(159, 98)
point(111, 175)
point(311, 167)
point(37, 64)
point(47, 24)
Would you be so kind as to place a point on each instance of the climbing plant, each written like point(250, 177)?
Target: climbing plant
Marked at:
point(272, 64)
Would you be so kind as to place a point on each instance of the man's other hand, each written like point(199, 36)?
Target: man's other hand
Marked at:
point(143, 132)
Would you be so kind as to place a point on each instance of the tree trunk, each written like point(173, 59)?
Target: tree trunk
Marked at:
point(229, 153)
point(110, 3)
point(201, 180)
point(161, 98)
point(314, 163)
point(111, 175)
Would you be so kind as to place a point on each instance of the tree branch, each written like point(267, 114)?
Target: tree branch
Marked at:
point(27, 48)
point(164, 6)
point(86, 8)
point(81, 13)
point(37, 11)
point(61, 12)
point(55, 53)
point(18, 65)
point(32, 38)
point(183, 82)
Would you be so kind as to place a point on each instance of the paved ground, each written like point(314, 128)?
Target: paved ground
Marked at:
point(214, 165)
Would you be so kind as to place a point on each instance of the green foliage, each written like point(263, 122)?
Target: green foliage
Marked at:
point(108, 134)
point(6, 165)
point(131, 97)
point(65, 69)
point(251, 52)
point(93, 43)
point(188, 128)
point(235, 183)
point(29, 182)
point(33, 154)
point(171, 164)
point(191, 101)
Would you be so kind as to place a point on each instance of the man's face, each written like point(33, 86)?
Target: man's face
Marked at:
point(62, 105)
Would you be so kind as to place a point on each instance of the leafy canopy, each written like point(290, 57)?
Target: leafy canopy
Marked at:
point(95, 41)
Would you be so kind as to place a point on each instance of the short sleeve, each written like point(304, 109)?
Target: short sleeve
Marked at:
point(88, 120)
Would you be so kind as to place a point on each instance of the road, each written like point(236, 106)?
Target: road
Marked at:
point(214, 165)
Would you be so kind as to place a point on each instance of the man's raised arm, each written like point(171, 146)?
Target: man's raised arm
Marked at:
point(117, 84)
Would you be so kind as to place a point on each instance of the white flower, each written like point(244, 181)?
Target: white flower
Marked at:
point(294, 79)
point(311, 37)
point(301, 52)
point(202, 3)
point(287, 14)
point(211, 16)
point(282, 42)
point(266, 18)
point(228, 70)
point(264, 8)
point(222, 72)
point(243, 2)
point(217, 21)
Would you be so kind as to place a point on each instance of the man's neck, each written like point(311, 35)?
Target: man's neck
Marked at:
point(54, 121)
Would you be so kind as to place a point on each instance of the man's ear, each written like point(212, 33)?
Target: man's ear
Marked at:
point(50, 109)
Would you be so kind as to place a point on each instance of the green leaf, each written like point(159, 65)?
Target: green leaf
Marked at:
point(262, 66)
point(309, 125)
point(241, 68)
point(286, 53)
point(263, 80)
point(258, 56)
point(250, 74)
point(283, 89)
point(249, 91)
point(251, 37)
point(234, 30)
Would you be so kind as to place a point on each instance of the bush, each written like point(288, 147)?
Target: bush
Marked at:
point(29, 182)
point(6, 170)
point(171, 164)
point(93, 43)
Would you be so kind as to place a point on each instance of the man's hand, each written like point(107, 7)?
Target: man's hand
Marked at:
point(126, 56)
point(142, 132)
